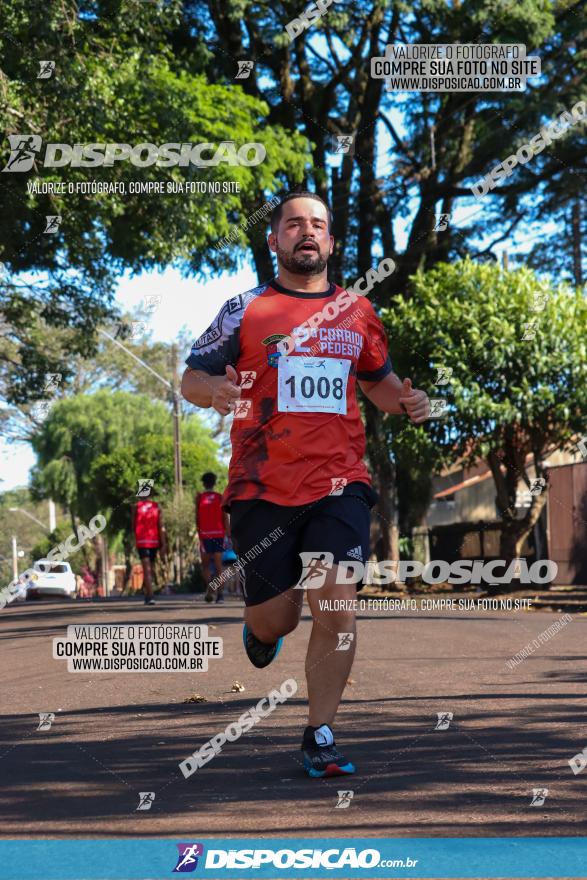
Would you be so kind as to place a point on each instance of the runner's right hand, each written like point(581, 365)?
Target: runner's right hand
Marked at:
point(225, 391)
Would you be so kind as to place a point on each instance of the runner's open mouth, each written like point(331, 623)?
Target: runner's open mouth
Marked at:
point(308, 246)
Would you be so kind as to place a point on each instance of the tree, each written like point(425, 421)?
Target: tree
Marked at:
point(115, 478)
point(116, 80)
point(517, 349)
point(80, 430)
point(109, 366)
point(439, 143)
point(299, 93)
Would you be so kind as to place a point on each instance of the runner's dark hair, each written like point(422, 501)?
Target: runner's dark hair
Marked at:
point(209, 480)
point(288, 197)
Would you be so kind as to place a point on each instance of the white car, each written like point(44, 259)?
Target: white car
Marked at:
point(51, 579)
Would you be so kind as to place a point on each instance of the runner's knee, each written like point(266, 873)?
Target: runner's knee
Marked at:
point(335, 621)
point(269, 631)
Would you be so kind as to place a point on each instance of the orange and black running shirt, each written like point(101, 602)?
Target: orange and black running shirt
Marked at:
point(210, 521)
point(297, 433)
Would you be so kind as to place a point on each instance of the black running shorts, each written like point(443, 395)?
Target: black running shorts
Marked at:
point(270, 561)
point(212, 545)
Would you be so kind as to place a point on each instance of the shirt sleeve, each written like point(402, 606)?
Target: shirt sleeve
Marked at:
point(374, 362)
point(219, 345)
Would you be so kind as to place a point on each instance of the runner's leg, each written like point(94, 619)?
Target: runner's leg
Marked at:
point(218, 567)
point(327, 669)
point(276, 617)
point(147, 577)
point(206, 572)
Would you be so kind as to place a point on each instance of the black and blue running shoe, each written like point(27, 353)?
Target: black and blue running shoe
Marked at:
point(321, 757)
point(259, 653)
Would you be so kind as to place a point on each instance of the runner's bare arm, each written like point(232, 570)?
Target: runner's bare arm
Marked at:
point(391, 395)
point(204, 390)
point(384, 393)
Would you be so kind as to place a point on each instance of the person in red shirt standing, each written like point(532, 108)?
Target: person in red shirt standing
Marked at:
point(150, 536)
point(287, 359)
point(213, 529)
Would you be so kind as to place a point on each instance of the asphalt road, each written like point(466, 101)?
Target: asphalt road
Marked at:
point(118, 734)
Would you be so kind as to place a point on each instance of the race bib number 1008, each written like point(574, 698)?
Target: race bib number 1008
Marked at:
point(312, 384)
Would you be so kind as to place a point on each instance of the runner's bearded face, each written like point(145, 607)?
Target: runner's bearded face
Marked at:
point(303, 242)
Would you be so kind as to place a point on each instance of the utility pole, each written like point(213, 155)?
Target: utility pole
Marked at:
point(52, 518)
point(177, 452)
point(14, 559)
point(176, 422)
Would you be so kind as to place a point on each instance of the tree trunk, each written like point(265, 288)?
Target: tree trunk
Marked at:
point(99, 569)
point(263, 262)
point(515, 531)
point(577, 258)
point(127, 565)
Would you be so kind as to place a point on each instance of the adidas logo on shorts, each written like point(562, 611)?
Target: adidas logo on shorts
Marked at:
point(356, 553)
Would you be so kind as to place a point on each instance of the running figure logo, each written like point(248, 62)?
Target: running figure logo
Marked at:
point(438, 406)
point(242, 409)
point(441, 222)
point(46, 69)
point(338, 484)
point(345, 143)
point(52, 223)
point(46, 719)
point(537, 486)
point(188, 857)
point(444, 719)
point(539, 302)
point(244, 69)
point(24, 149)
point(145, 487)
point(344, 800)
point(443, 375)
point(146, 799)
point(315, 569)
point(539, 795)
point(52, 381)
point(345, 641)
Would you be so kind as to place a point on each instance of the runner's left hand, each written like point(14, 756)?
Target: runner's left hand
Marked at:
point(414, 402)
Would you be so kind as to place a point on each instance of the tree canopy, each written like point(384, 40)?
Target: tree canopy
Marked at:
point(122, 431)
point(513, 349)
point(116, 80)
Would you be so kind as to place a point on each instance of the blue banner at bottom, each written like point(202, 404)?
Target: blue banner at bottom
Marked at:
point(277, 858)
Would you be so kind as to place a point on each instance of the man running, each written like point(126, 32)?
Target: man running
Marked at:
point(285, 358)
point(213, 528)
point(150, 535)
